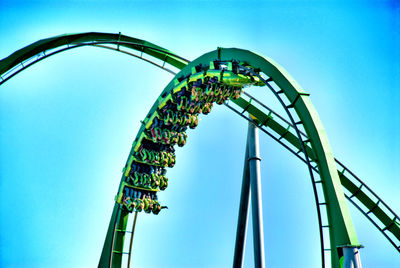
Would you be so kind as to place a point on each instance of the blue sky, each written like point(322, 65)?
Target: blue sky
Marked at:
point(67, 125)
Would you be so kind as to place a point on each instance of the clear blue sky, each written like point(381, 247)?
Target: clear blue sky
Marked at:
point(67, 124)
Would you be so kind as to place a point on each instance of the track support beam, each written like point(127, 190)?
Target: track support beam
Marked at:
point(243, 214)
point(251, 184)
point(256, 201)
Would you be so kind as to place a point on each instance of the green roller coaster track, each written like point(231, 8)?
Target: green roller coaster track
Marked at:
point(232, 69)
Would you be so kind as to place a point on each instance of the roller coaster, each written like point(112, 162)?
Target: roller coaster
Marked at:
point(221, 77)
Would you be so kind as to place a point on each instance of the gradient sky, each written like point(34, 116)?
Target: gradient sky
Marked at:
point(67, 125)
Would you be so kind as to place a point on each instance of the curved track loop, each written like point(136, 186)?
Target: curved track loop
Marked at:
point(313, 150)
point(320, 206)
point(29, 55)
point(341, 229)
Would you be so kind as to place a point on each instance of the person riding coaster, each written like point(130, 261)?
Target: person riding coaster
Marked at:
point(137, 178)
point(182, 103)
point(146, 156)
point(236, 93)
point(163, 183)
point(182, 139)
point(195, 95)
point(210, 97)
point(155, 181)
point(165, 136)
point(174, 118)
point(142, 153)
point(194, 121)
point(157, 207)
point(171, 160)
point(127, 202)
point(145, 179)
point(217, 91)
point(207, 108)
point(155, 134)
point(208, 89)
point(227, 92)
point(148, 204)
point(166, 117)
point(220, 99)
point(164, 158)
point(156, 157)
point(197, 90)
point(139, 205)
point(174, 138)
point(183, 120)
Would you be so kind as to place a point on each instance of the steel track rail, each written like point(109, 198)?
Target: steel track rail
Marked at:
point(307, 161)
point(43, 55)
point(27, 56)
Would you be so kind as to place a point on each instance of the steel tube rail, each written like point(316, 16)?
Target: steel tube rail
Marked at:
point(243, 216)
point(39, 49)
point(256, 199)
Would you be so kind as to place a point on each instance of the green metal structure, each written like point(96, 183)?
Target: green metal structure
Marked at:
point(221, 76)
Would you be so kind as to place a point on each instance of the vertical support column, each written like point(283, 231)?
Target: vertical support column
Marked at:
point(243, 214)
point(351, 257)
point(256, 200)
point(251, 177)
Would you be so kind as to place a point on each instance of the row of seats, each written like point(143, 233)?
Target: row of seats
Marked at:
point(166, 136)
point(143, 168)
point(138, 200)
point(135, 193)
point(145, 203)
point(148, 180)
point(156, 158)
